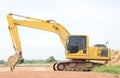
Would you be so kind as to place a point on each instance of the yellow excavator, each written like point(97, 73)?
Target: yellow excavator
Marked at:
point(77, 48)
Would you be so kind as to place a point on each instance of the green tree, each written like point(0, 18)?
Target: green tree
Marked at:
point(2, 61)
point(21, 61)
point(51, 59)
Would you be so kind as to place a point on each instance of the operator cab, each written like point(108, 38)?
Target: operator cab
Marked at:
point(76, 43)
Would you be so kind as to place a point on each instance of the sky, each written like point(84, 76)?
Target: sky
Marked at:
point(99, 19)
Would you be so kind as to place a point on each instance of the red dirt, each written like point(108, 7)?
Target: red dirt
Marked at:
point(47, 72)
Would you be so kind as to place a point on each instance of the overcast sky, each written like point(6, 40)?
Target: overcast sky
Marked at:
point(99, 19)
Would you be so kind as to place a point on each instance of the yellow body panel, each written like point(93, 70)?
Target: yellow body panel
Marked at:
point(93, 53)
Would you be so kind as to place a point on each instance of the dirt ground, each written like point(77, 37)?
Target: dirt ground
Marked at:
point(47, 72)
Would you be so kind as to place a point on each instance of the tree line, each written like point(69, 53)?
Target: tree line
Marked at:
point(51, 59)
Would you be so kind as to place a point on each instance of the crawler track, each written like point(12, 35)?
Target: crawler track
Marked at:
point(74, 66)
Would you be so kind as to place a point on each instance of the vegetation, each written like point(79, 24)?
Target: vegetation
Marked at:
point(2, 61)
point(21, 61)
point(51, 59)
point(105, 69)
point(108, 69)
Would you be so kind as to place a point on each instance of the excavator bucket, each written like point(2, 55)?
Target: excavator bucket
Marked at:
point(13, 60)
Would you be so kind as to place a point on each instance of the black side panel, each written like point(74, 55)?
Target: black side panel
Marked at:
point(104, 52)
point(82, 42)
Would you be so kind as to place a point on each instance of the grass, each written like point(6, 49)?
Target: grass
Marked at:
point(108, 69)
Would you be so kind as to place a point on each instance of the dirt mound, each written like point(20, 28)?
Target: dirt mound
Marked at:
point(115, 57)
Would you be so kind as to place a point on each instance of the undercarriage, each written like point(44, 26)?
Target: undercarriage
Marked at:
point(75, 65)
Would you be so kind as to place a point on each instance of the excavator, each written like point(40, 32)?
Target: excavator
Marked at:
point(77, 49)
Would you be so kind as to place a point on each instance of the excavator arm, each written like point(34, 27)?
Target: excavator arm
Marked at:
point(47, 25)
